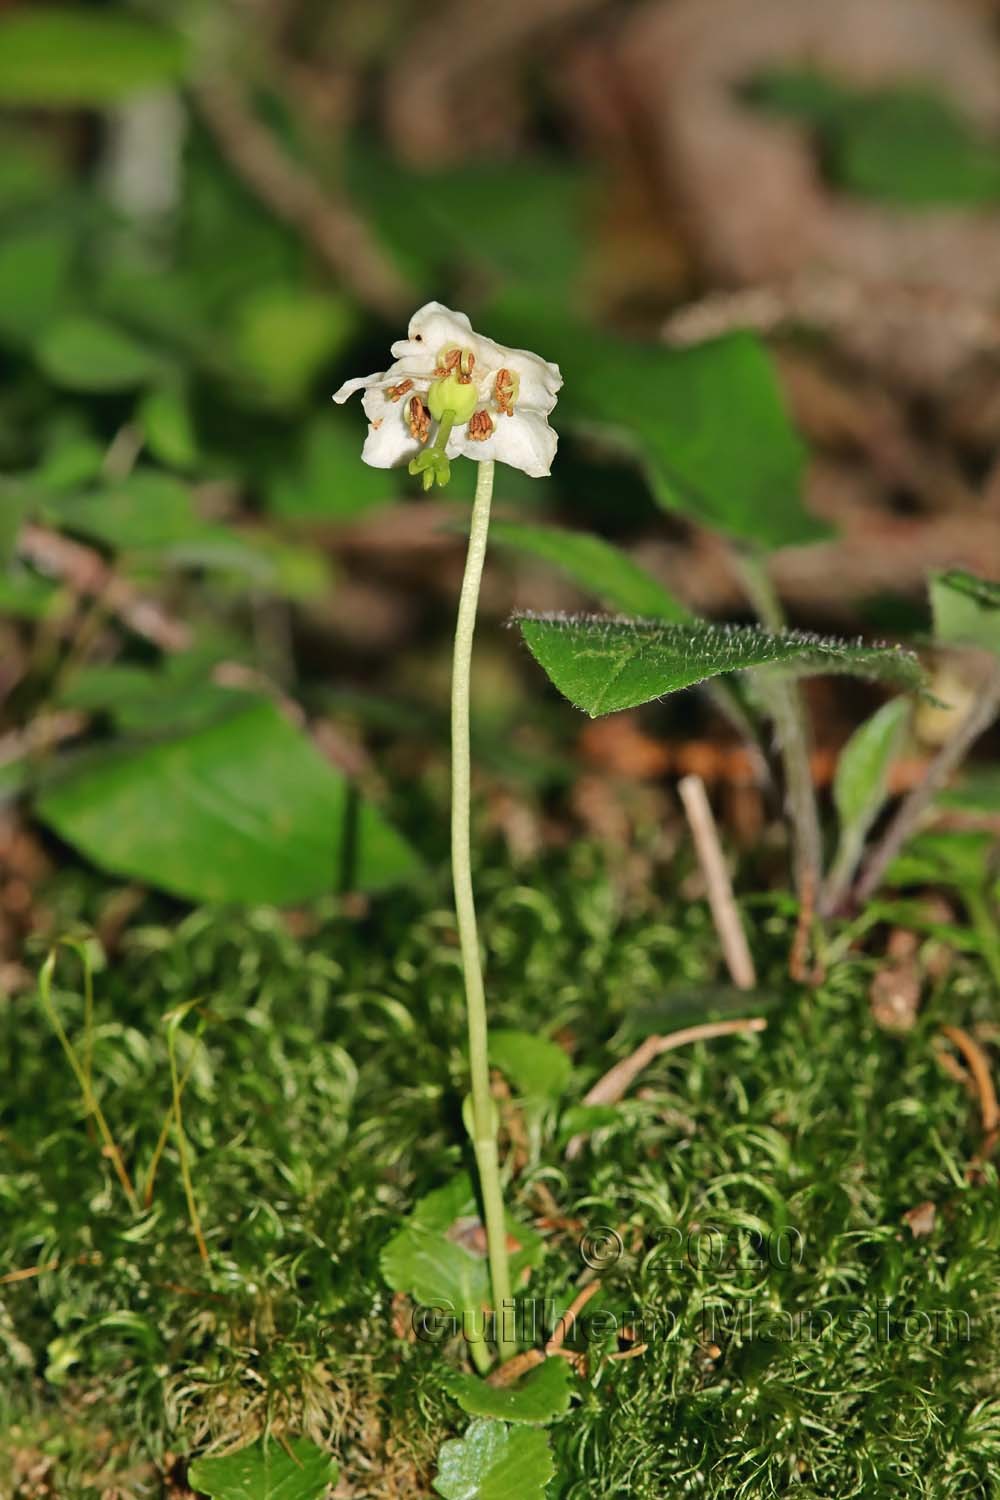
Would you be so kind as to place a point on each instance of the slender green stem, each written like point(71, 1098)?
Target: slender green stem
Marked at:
point(484, 1128)
point(785, 706)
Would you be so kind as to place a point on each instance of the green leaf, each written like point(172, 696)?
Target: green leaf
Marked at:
point(245, 809)
point(904, 145)
point(28, 597)
point(604, 665)
point(977, 791)
point(67, 55)
point(966, 610)
point(165, 417)
point(86, 354)
point(707, 424)
point(285, 336)
point(495, 1462)
point(434, 1268)
point(146, 512)
point(330, 482)
point(957, 859)
point(537, 1067)
point(861, 783)
point(540, 1397)
point(178, 696)
point(597, 566)
point(34, 270)
point(300, 1472)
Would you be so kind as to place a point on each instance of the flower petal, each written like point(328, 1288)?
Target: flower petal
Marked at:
point(360, 383)
point(389, 442)
point(434, 327)
point(525, 441)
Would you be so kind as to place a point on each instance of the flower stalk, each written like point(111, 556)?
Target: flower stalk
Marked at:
point(483, 1113)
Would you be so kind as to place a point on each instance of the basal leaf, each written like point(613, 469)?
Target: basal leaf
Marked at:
point(535, 1066)
point(603, 665)
point(71, 55)
point(707, 424)
point(539, 1397)
point(596, 565)
point(495, 1462)
point(244, 809)
point(300, 1471)
point(434, 1265)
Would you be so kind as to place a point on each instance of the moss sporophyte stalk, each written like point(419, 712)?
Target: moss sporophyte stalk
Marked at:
point(453, 393)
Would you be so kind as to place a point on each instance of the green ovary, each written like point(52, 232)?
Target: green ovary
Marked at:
point(450, 393)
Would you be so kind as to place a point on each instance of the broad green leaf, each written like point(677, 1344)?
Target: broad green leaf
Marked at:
point(495, 1462)
point(860, 785)
point(329, 482)
point(165, 417)
point(31, 170)
point(916, 150)
point(427, 1260)
point(707, 424)
point(285, 336)
point(539, 1397)
point(536, 1066)
point(966, 610)
point(34, 270)
point(85, 353)
point(272, 1472)
point(146, 512)
point(245, 809)
point(597, 566)
point(604, 665)
point(69, 55)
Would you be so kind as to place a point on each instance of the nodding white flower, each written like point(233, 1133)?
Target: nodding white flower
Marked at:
point(453, 393)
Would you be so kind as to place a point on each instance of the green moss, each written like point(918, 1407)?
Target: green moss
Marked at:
point(323, 1098)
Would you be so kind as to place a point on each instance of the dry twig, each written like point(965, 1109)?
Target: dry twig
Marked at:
point(979, 1067)
point(617, 1080)
point(725, 913)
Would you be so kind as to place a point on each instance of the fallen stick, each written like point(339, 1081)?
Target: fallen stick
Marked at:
point(617, 1080)
point(979, 1067)
point(725, 913)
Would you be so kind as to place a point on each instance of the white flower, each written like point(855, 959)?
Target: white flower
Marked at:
point(453, 393)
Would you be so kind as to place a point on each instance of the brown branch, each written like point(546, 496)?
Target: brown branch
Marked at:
point(979, 1067)
point(89, 576)
point(617, 1080)
point(331, 226)
point(725, 913)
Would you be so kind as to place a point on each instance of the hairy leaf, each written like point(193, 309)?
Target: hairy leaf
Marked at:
point(603, 665)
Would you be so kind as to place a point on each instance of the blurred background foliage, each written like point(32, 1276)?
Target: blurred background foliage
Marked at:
point(763, 253)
